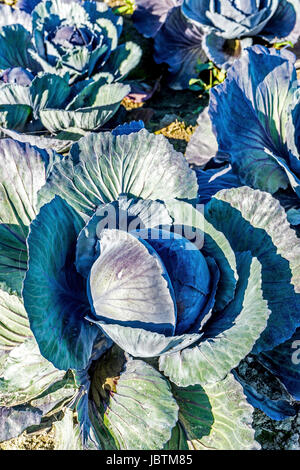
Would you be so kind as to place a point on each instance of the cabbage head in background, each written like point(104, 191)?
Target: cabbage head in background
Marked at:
point(253, 122)
point(190, 32)
point(141, 300)
point(62, 79)
point(227, 22)
point(72, 39)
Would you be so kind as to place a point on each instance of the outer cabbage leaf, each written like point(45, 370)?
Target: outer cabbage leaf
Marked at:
point(212, 181)
point(103, 166)
point(276, 409)
point(26, 374)
point(48, 91)
point(15, 106)
point(90, 117)
point(30, 389)
point(216, 416)
point(142, 343)
point(293, 132)
point(264, 230)
point(56, 397)
point(125, 401)
point(15, 41)
point(285, 24)
point(180, 46)
point(124, 59)
point(23, 172)
point(150, 15)
point(67, 434)
point(13, 93)
point(178, 439)
point(284, 362)
point(14, 324)
point(203, 144)
point(15, 116)
point(54, 293)
point(59, 144)
point(255, 99)
point(90, 433)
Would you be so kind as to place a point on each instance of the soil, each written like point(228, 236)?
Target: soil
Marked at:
point(42, 441)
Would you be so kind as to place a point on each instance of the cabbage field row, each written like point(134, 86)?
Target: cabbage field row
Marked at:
point(150, 224)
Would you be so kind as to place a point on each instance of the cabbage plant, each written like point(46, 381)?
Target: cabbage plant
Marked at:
point(61, 68)
point(253, 121)
point(193, 31)
point(253, 124)
point(228, 22)
point(68, 38)
point(141, 299)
